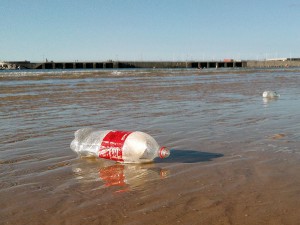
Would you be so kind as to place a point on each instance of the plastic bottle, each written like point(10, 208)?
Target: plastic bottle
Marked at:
point(270, 94)
point(121, 146)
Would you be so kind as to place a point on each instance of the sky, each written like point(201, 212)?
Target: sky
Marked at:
point(159, 30)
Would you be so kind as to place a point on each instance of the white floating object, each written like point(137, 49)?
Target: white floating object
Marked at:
point(270, 94)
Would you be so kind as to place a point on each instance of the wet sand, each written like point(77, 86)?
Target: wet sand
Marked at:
point(234, 156)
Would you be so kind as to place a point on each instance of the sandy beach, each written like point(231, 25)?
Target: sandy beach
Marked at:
point(234, 155)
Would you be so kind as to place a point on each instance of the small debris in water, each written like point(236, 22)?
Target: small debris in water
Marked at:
point(270, 94)
point(278, 136)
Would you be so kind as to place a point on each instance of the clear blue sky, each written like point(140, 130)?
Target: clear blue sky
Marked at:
point(148, 29)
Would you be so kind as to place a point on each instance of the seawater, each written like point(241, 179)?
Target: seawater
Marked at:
point(224, 138)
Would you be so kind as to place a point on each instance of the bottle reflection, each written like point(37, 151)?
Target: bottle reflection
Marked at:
point(121, 177)
point(267, 101)
point(128, 177)
point(113, 176)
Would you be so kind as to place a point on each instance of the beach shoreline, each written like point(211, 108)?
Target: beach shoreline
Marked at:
point(234, 155)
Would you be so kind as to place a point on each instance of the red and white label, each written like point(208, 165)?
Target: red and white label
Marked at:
point(112, 145)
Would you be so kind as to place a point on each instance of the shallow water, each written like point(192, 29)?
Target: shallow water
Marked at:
point(234, 159)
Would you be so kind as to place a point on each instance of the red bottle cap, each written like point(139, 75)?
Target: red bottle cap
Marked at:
point(164, 152)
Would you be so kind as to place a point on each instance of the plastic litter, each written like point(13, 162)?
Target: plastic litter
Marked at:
point(120, 146)
point(270, 94)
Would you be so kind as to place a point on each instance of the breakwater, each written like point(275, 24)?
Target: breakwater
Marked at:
point(149, 64)
point(119, 64)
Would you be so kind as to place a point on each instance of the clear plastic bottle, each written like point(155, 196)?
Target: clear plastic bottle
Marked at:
point(121, 146)
point(270, 94)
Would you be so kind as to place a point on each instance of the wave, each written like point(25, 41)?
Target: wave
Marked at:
point(66, 73)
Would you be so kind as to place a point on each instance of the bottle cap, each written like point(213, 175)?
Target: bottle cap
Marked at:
point(164, 152)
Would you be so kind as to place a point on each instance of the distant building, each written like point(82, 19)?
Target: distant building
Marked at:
point(277, 59)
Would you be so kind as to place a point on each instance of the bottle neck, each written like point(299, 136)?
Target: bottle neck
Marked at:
point(164, 152)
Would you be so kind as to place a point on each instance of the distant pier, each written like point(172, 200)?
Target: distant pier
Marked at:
point(119, 64)
point(227, 63)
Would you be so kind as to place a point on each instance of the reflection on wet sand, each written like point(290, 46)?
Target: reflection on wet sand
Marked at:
point(119, 177)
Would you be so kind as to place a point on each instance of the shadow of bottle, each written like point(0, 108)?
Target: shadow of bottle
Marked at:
point(188, 156)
